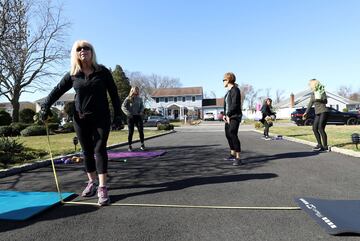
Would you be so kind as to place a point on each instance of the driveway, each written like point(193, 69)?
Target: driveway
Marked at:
point(192, 172)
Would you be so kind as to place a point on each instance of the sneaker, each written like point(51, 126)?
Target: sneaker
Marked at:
point(103, 196)
point(237, 162)
point(318, 148)
point(326, 149)
point(229, 158)
point(130, 148)
point(142, 147)
point(89, 190)
point(267, 138)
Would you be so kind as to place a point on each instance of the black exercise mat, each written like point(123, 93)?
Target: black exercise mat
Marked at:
point(335, 216)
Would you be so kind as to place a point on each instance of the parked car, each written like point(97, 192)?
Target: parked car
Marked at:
point(209, 116)
point(155, 120)
point(335, 117)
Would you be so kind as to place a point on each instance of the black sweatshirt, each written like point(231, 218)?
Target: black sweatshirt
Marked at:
point(232, 103)
point(91, 94)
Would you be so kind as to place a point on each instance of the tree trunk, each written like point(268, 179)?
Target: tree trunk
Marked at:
point(16, 106)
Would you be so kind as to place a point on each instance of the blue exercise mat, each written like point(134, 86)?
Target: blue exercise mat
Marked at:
point(335, 216)
point(23, 205)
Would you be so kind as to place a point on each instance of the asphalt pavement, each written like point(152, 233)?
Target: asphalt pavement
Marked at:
point(193, 172)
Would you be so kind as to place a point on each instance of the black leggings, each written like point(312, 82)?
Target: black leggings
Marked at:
point(135, 120)
point(231, 133)
point(319, 128)
point(93, 136)
point(266, 127)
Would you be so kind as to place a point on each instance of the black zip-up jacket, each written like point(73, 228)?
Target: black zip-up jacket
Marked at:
point(232, 103)
point(91, 94)
point(266, 111)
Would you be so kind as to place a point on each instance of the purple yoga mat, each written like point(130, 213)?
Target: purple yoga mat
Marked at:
point(127, 154)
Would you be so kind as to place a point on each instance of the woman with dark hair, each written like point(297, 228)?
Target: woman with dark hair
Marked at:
point(232, 117)
point(91, 82)
point(319, 100)
point(267, 117)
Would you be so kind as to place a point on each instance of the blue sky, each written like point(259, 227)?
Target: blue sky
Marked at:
point(277, 44)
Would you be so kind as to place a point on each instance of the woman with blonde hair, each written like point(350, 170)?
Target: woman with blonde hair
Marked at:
point(232, 117)
point(133, 108)
point(319, 100)
point(91, 82)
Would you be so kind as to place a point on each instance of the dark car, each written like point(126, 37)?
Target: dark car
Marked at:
point(335, 117)
point(155, 120)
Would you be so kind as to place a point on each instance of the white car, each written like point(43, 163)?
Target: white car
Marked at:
point(209, 116)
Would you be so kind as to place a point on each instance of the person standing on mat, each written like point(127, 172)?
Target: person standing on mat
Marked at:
point(267, 117)
point(318, 98)
point(92, 121)
point(232, 117)
point(133, 108)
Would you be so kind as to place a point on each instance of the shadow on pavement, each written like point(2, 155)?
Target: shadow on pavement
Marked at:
point(190, 182)
point(52, 213)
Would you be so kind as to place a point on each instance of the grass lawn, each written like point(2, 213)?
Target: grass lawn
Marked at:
point(339, 136)
point(62, 143)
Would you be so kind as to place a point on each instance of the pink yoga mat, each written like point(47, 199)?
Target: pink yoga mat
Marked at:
point(127, 154)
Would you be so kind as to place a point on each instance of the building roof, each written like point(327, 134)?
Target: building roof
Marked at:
point(162, 92)
point(65, 97)
point(301, 99)
point(218, 102)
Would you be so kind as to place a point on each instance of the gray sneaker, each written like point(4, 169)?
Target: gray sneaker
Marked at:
point(142, 147)
point(103, 196)
point(90, 189)
point(237, 162)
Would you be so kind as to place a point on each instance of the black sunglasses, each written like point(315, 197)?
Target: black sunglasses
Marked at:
point(86, 48)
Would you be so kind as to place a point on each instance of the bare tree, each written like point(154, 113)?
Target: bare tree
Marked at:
point(149, 83)
point(30, 51)
point(344, 91)
point(248, 95)
point(279, 96)
point(210, 95)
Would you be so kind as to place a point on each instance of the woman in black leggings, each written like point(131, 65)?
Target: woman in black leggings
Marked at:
point(133, 107)
point(232, 117)
point(91, 82)
point(319, 100)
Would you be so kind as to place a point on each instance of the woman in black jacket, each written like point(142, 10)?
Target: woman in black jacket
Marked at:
point(91, 82)
point(232, 117)
point(267, 117)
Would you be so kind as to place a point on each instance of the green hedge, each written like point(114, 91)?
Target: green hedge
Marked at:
point(6, 131)
point(35, 130)
point(165, 127)
point(17, 127)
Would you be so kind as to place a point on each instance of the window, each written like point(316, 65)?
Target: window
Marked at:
point(171, 99)
point(175, 99)
point(183, 99)
point(161, 99)
point(193, 98)
point(166, 100)
point(157, 100)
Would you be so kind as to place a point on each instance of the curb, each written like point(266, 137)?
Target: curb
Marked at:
point(44, 163)
point(309, 143)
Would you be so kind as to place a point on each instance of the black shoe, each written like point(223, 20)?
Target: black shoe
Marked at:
point(142, 147)
point(229, 158)
point(326, 149)
point(318, 148)
point(237, 162)
point(130, 148)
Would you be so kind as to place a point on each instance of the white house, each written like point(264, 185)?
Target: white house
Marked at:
point(301, 100)
point(59, 104)
point(175, 103)
point(214, 106)
point(7, 106)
